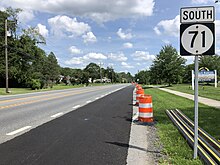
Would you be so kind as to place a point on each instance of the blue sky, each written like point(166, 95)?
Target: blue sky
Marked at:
point(123, 34)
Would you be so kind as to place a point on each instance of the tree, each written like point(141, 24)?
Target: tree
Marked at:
point(187, 76)
point(110, 73)
point(124, 77)
point(168, 65)
point(93, 70)
point(51, 68)
point(34, 34)
point(143, 77)
point(13, 22)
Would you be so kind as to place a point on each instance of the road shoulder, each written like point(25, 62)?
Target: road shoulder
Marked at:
point(142, 144)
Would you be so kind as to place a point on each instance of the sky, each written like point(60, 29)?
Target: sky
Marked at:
point(123, 34)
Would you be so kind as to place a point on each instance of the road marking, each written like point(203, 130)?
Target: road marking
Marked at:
point(89, 101)
point(43, 99)
point(77, 106)
point(135, 116)
point(61, 95)
point(18, 130)
point(97, 98)
point(57, 114)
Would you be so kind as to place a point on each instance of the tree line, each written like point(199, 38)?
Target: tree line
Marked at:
point(30, 66)
point(170, 68)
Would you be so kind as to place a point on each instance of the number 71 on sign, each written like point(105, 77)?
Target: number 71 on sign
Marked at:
point(197, 39)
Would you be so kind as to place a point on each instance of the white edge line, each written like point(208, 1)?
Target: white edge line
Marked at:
point(57, 114)
point(135, 116)
point(77, 106)
point(18, 130)
point(89, 101)
point(97, 98)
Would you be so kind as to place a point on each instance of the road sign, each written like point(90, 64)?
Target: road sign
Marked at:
point(197, 39)
point(197, 14)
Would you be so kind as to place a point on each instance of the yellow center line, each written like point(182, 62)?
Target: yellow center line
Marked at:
point(44, 99)
point(18, 99)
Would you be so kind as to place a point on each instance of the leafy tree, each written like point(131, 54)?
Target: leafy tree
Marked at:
point(211, 62)
point(187, 76)
point(124, 77)
point(66, 71)
point(168, 65)
point(143, 76)
point(93, 70)
point(51, 68)
point(110, 73)
point(13, 20)
point(34, 34)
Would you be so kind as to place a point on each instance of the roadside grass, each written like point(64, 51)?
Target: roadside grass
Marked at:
point(174, 145)
point(204, 90)
point(14, 91)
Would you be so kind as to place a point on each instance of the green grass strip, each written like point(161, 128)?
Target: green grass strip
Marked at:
point(175, 146)
point(14, 91)
point(207, 91)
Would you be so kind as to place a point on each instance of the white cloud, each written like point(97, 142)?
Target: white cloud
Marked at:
point(128, 45)
point(126, 65)
point(117, 57)
point(64, 25)
point(25, 16)
point(95, 56)
point(89, 37)
point(75, 61)
point(217, 32)
point(42, 30)
point(86, 59)
point(124, 35)
point(217, 51)
point(142, 56)
point(190, 59)
point(202, 1)
point(157, 31)
point(168, 27)
point(166, 41)
point(75, 50)
point(100, 11)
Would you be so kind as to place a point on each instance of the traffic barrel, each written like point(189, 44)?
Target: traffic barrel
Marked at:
point(139, 93)
point(145, 109)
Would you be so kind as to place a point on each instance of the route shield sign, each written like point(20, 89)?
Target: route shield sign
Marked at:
point(197, 31)
point(197, 39)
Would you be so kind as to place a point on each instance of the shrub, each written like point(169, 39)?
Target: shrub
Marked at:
point(35, 84)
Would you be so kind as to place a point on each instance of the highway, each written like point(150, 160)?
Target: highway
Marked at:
point(89, 125)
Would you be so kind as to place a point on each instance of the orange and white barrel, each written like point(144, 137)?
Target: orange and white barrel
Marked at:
point(145, 109)
point(139, 93)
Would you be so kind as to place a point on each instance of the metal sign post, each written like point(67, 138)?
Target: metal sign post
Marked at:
point(197, 37)
point(196, 92)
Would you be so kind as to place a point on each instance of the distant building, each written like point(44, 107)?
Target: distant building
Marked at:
point(104, 80)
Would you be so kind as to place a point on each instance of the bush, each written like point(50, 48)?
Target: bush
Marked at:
point(35, 84)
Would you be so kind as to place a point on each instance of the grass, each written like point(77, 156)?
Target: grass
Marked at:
point(175, 146)
point(29, 90)
point(204, 91)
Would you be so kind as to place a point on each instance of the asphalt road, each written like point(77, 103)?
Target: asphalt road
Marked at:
point(21, 113)
point(96, 133)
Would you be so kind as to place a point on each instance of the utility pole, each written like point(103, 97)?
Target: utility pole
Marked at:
point(6, 55)
point(101, 72)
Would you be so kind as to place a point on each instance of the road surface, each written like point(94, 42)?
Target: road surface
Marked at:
point(96, 133)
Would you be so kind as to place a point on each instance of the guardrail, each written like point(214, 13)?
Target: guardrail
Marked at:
point(208, 147)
